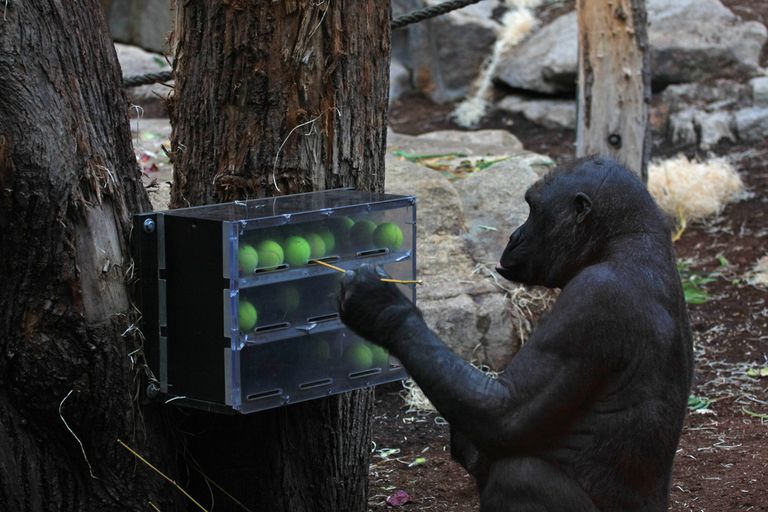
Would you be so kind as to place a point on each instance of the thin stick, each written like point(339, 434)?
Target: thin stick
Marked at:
point(333, 267)
point(145, 461)
point(383, 279)
point(401, 281)
point(154, 506)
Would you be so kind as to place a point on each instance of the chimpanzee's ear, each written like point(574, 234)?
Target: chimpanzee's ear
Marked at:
point(583, 206)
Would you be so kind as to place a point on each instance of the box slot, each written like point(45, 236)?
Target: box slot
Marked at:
point(364, 373)
point(322, 318)
point(264, 394)
point(325, 259)
point(279, 268)
point(272, 327)
point(316, 383)
point(371, 252)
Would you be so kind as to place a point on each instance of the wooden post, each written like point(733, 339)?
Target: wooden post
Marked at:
point(614, 86)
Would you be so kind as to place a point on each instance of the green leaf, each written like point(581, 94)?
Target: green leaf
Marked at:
point(723, 261)
point(484, 164)
point(763, 417)
point(699, 402)
point(417, 158)
point(756, 373)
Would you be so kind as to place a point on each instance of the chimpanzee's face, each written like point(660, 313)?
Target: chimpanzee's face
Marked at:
point(547, 249)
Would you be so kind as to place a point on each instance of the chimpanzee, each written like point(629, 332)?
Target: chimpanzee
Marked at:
point(588, 414)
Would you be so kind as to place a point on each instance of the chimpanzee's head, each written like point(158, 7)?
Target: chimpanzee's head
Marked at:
point(575, 213)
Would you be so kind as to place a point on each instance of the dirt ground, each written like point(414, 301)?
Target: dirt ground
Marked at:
point(722, 461)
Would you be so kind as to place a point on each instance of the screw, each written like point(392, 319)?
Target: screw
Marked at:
point(149, 226)
point(614, 140)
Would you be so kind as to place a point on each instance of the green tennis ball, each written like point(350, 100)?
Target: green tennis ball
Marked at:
point(329, 240)
point(289, 298)
point(380, 357)
point(248, 316)
point(388, 235)
point(316, 245)
point(361, 233)
point(270, 254)
point(343, 224)
point(358, 356)
point(247, 258)
point(297, 251)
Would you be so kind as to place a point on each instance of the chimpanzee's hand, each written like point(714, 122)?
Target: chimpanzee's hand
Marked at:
point(371, 308)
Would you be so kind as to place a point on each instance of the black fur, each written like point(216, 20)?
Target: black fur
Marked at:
point(588, 414)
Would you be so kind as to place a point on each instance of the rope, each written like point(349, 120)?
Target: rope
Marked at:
point(430, 12)
point(399, 22)
point(149, 78)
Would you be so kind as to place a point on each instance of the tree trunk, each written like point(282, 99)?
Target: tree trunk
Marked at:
point(69, 184)
point(614, 82)
point(275, 98)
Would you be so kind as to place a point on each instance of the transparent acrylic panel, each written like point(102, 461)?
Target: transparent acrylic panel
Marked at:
point(263, 252)
point(312, 366)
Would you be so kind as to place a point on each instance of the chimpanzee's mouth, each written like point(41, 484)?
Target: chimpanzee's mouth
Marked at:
point(505, 272)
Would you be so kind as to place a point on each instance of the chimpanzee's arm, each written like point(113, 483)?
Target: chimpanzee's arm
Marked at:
point(545, 385)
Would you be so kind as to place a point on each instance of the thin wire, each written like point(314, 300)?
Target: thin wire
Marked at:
point(82, 448)
point(145, 461)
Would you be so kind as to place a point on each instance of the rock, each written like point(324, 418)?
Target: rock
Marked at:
point(706, 127)
point(144, 23)
point(759, 88)
point(546, 62)
point(548, 113)
point(438, 208)
point(696, 39)
point(494, 205)
point(135, 61)
point(478, 143)
point(690, 40)
point(682, 96)
point(445, 54)
point(502, 139)
point(399, 80)
point(465, 309)
point(714, 127)
point(752, 123)
point(682, 127)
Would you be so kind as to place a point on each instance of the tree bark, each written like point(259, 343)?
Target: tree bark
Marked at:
point(69, 184)
point(275, 98)
point(614, 89)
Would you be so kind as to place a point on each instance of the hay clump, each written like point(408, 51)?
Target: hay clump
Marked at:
point(516, 25)
point(759, 274)
point(691, 190)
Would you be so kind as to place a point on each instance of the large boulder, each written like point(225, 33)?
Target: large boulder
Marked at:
point(445, 54)
point(690, 40)
point(461, 299)
point(550, 113)
point(546, 62)
point(438, 208)
point(144, 23)
point(494, 205)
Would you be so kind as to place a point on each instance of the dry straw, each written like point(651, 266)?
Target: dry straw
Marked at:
point(692, 190)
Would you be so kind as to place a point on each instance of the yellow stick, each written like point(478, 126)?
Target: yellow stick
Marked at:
point(145, 461)
point(383, 279)
point(401, 281)
point(334, 267)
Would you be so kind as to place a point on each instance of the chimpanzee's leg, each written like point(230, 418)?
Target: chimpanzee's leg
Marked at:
point(466, 453)
point(528, 484)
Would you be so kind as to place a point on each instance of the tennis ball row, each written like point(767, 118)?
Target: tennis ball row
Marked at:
point(297, 250)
